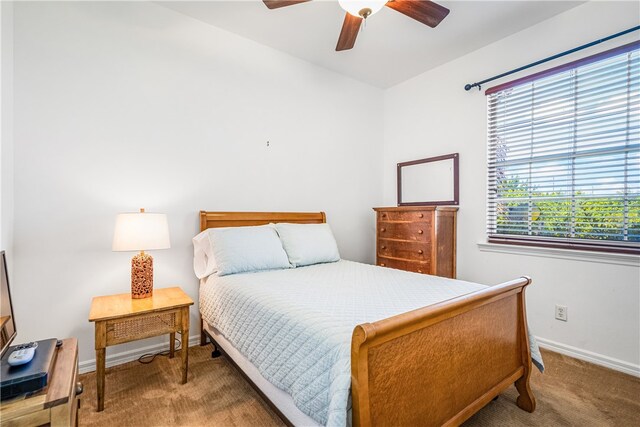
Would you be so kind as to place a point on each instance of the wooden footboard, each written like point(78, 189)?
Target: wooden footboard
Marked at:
point(440, 364)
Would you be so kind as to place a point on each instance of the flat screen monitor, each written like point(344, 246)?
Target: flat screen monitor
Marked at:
point(7, 322)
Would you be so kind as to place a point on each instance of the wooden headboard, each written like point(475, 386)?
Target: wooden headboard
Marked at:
point(238, 219)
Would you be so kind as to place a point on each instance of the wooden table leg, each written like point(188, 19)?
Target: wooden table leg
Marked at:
point(100, 367)
point(101, 341)
point(172, 344)
point(185, 343)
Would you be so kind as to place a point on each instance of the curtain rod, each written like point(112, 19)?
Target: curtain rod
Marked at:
point(468, 87)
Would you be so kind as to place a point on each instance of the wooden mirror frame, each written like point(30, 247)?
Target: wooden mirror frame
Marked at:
point(456, 185)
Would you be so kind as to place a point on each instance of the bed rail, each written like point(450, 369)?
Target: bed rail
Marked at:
point(440, 364)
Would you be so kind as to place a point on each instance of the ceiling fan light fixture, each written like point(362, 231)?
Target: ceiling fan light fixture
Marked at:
point(362, 8)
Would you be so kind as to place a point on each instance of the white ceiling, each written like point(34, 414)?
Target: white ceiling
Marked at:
point(390, 49)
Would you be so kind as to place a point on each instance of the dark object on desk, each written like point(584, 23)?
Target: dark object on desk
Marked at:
point(33, 376)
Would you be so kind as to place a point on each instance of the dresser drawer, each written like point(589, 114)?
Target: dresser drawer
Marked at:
point(405, 215)
point(414, 266)
point(415, 251)
point(413, 231)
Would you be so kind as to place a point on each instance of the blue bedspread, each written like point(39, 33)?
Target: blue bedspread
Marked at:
point(295, 325)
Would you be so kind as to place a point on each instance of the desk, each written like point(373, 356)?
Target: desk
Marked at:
point(57, 404)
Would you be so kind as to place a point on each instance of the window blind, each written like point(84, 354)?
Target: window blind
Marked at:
point(564, 155)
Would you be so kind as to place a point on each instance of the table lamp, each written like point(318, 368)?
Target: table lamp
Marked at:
point(141, 231)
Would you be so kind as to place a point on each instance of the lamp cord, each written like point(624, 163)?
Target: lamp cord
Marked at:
point(150, 357)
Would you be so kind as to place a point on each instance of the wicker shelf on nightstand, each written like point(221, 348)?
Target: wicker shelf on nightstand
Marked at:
point(119, 319)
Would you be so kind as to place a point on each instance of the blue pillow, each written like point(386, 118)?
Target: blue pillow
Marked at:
point(308, 244)
point(244, 249)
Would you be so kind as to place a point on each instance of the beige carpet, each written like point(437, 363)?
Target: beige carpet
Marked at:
point(570, 393)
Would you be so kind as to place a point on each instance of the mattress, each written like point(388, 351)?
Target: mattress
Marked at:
point(279, 398)
point(295, 325)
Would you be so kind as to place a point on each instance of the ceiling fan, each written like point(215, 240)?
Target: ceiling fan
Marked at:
point(425, 11)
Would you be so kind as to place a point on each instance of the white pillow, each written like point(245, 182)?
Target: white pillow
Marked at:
point(308, 244)
point(204, 264)
point(232, 250)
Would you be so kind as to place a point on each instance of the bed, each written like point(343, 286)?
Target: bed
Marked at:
point(435, 355)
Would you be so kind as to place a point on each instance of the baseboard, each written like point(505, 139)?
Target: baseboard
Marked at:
point(131, 355)
point(588, 356)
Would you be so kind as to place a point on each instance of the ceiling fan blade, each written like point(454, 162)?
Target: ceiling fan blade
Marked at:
point(276, 4)
point(425, 11)
point(349, 32)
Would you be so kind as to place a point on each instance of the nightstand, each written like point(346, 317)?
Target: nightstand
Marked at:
point(57, 404)
point(119, 319)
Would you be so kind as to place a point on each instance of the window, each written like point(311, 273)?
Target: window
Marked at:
point(564, 155)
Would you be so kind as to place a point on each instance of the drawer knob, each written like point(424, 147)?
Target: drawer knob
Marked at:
point(384, 247)
point(420, 231)
point(420, 251)
point(384, 215)
point(382, 264)
point(420, 215)
point(383, 229)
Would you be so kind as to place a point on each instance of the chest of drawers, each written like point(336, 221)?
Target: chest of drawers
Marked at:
point(421, 239)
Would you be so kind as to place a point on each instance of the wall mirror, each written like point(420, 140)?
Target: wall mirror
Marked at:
point(426, 182)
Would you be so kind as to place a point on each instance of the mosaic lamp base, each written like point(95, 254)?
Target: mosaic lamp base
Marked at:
point(141, 276)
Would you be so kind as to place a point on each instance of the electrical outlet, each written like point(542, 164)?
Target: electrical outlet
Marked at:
point(561, 312)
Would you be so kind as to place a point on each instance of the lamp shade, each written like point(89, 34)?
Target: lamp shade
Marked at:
point(141, 231)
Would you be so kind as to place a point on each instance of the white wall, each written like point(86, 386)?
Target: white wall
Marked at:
point(6, 129)
point(432, 115)
point(127, 105)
